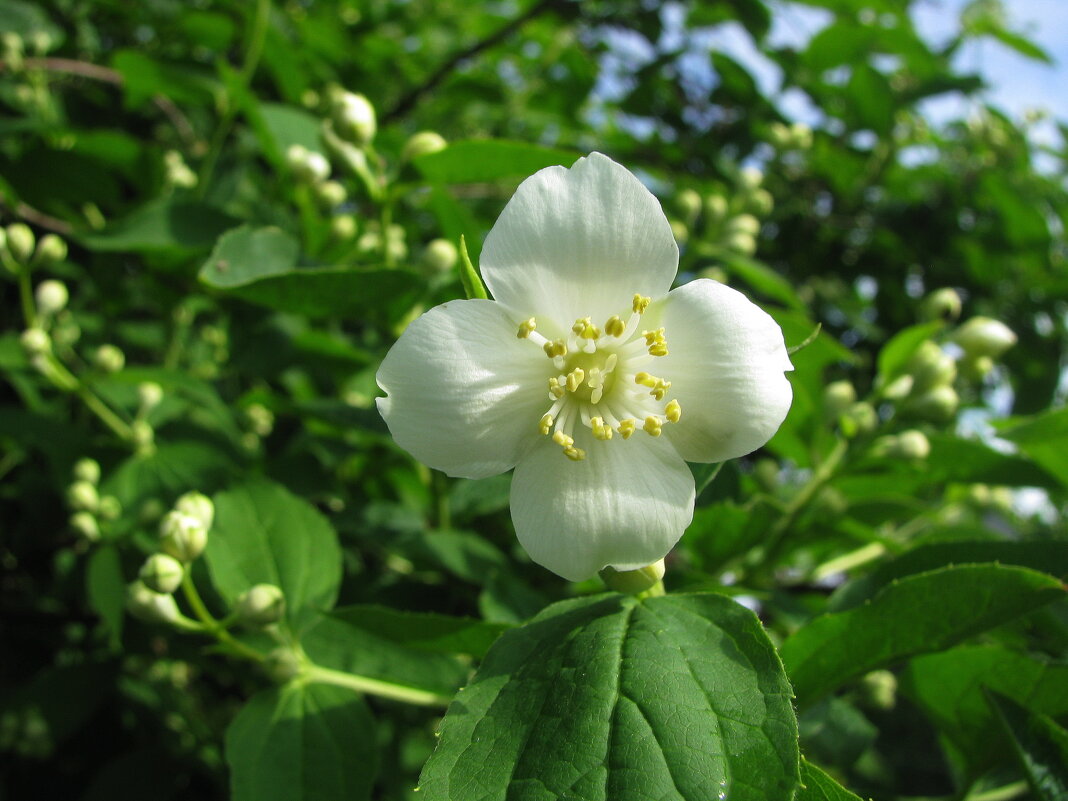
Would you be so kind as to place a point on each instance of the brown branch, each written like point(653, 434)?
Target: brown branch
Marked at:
point(409, 100)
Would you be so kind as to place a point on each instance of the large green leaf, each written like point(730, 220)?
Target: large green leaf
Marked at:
point(489, 160)
point(921, 613)
point(171, 469)
point(678, 697)
point(164, 224)
point(424, 631)
point(1044, 438)
point(818, 786)
point(265, 534)
point(948, 687)
point(302, 742)
point(1040, 746)
point(247, 254)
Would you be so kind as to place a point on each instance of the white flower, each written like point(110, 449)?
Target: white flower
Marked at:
point(586, 375)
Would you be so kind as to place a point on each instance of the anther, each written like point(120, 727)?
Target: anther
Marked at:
point(555, 348)
point(626, 428)
point(555, 390)
point(563, 440)
point(652, 426)
point(656, 342)
point(585, 328)
point(673, 411)
point(640, 304)
point(575, 454)
point(615, 326)
point(645, 379)
point(660, 388)
point(546, 423)
point(526, 327)
point(600, 430)
point(575, 379)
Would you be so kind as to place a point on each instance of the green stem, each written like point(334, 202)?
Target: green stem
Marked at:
point(384, 689)
point(29, 308)
point(1005, 793)
point(101, 410)
point(211, 625)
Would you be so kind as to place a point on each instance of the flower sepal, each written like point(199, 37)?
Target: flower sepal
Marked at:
point(645, 582)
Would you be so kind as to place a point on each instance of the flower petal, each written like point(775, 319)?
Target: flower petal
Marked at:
point(579, 242)
point(726, 364)
point(464, 394)
point(625, 505)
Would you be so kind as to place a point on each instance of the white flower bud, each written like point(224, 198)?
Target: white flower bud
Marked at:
point(354, 117)
point(109, 358)
point(50, 250)
point(860, 418)
point(779, 136)
point(87, 469)
point(51, 296)
point(82, 496)
point(149, 393)
point(838, 396)
point(942, 304)
point(182, 536)
point(913, 444)
point(143, 435)
point(937, 405)
point(343, 227)
point(20, 242)
point(307, 166)
point(330, 194)
point(744, 223)
point(899, 388)
point(35, 341)
point(423, 143)
point(750, 178)
point(260, 418)
point(162, 573)
point(177, 171)
point(802, 135)
point(282, 664)
point(983, 336)
point(742, 242)
point(633, 582)
point(151, 606)
point(198, 506)
point(715, 208)
point(879, 689)
point(261, 605)
point(440, 256)
point(931, 367)
point(110, 508)
point(85, 524)
point(689, 203)
point(761, 202)
point(977, 368)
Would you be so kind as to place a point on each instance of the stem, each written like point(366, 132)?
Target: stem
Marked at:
point(248, 66)
point(101, 410)
point(211, 625)
point(1001, 793)
point(384, 689)
point(29, 308)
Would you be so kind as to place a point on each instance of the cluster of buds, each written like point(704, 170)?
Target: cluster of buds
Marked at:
point(854, 417)
point(90, 511)
point(372, 241)
point(797, 136)
point(912, 444)
point(729, 220)
point(21, 250)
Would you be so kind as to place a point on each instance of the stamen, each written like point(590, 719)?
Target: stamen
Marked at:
point(575, 379)
point(600, 430)
point(526, 327)
point(656, 342)
point(673, 411)
point(563, 440)
point(652, 426)
point(546, 423)
point(555, 390)
point(639, 304)
point(660, 389)
point(575, 454)
point(615, 326)
point(585, 328)
point(626, 427)
point(555, 348)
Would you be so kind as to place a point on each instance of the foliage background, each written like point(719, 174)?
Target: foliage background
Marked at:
point(267, 367)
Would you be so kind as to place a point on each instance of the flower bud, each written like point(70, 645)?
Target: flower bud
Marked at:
point(680, 231)
point(151, 606)
point(51, 297)
point(182, 536)
point(440, 256)
point(198, 506)
point(742, 242)
point(942, 304)
point(260, 418)
point(343, 227)
point(761, 202)
point(779, 136)
point(109, 358)
point(633, 582)
point(802, 135)
point(149, 393)
point(330, 194)
point(177, 171)
point(20, 242)
point(85, 525)
point(282, 664)
point(931, 367)
point(162, 573)
point(82, 496)
point(87, 469)
point(750, 178)
point(745, 223)
point(838, 396)
point(937, 405)
point(913, 444)
point(976, 369)
point(715, 208)
point(979, 494)
point(423, 143)
point(983, 336)
point(36, 342)
point(879, 689)
point(860, 418)
point(689, 203)
point(110, 508)
point(307, 166)
point(899, 388)
point(50, 250)
point(354, 118)
point(260, 606)
point(143, 435)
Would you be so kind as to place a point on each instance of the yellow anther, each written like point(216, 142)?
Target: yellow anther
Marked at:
point(563, 440)
point(575, 379)
point(626, 428)
point(652, 426)
point(640, 304)
point(656, 342)
point(546, 423)
point(615, 326)
point(575, 454)
point(555, 348)
point(673, 411)
point(555, 390)
point(585, 328)
point(645, 379)
point(660, 388)
point(600, 430)
point(659, 349)
point(526, 327)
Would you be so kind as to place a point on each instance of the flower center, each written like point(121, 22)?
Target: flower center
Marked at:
point(599, 380)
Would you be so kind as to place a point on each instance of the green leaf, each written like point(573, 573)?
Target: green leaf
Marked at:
point(1044, 438)
point(259, 265)
point(144, 77)
point(895, 354)
point(871, 101)
point(473, 160)
point(818, 786)
point(302, 743)
point(921, 613)
point(171, 469)
point(759, 276)
point(1040, 746)
point(948, 687)
point(163, 224)
point(969, 461)
point(106, 587)
point(284, 126)
point(423, 631)
point(1046, 557)
point(608, 697)
point(469, 277)
point(265, 534)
